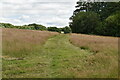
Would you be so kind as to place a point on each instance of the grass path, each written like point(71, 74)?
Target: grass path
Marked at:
point(57, 58)
point(62, 57)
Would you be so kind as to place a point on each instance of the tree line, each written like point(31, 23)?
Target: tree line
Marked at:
point(99, 18)
point(35, 26)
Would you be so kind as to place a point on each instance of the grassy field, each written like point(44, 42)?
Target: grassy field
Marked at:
point(104, 60)
point(39, 54)
point(19, 47)
point(19, 43)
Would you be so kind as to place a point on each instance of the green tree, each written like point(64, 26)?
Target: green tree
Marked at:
point(55, 29)
point(112, 25)
point(7, 25)
point(104, 9)
point(37, 26)
point(67, 29)
point(85, 22)
point(109, 8)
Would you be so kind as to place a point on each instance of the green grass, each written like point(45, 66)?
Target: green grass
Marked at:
point(63, 56)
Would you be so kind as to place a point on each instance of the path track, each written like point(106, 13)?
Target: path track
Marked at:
point(63, 57)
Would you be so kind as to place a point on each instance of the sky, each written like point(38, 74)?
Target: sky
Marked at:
point(45, 12)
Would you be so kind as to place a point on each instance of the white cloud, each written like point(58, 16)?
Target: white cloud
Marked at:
point(45, 12)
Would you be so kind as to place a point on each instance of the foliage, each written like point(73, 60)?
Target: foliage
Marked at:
point(99, 18)
point(85, 22)
point(64, 29)
point(67, 29)
point(6, 25)
point(37, 26)
point(109, 8)
point(55, 29)
point(26, 27)
point(30, 26)
point(104, 9)
point(112, 25)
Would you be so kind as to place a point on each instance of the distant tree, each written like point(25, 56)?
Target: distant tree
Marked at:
point(37, 26)
point(1, 25)
point(30, 26)
point(67, 29)
point(55, 29)
point(7, 25)
point(61, 29)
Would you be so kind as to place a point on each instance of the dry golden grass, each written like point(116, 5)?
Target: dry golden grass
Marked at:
point(104, 60)
point(95, 43)
point(19, 42)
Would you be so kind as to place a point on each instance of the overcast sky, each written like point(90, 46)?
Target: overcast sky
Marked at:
point(45, 12)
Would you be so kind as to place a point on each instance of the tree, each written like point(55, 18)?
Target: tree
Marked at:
point(55, 29)
point(37, 26)
point(109, 8)
point(7, 25)
point(67, 29)
point(112, 25)
point(85, 22)
point(104, 9)
point(96, 18)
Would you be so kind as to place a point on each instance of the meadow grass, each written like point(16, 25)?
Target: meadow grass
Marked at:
point(21, 43)
point(36, 54)
point(19, 48)
point(104, 60)
point(56, 59)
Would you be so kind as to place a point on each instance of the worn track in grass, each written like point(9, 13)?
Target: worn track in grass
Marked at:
point(64, 58)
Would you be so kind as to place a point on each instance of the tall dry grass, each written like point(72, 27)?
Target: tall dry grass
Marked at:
point(95, 43)
point(21, 43)
point(104, 60)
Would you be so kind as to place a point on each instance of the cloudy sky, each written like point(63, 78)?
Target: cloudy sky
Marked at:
point(45, 12)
